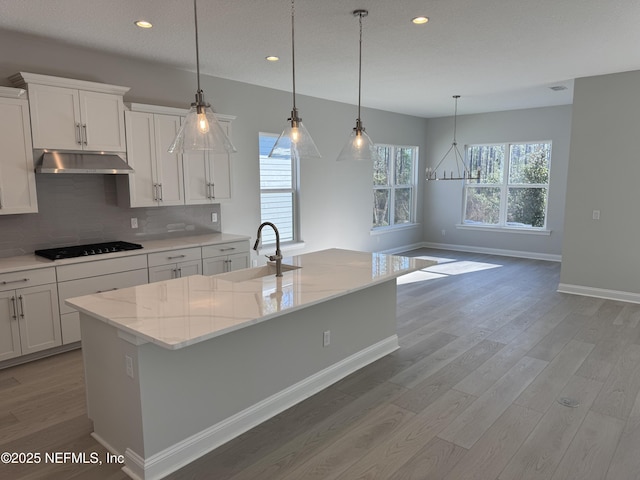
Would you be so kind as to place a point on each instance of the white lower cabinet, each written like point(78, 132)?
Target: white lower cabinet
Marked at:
point(225, 257)
point(95, 277)
point(29, 316)
point(174, 264)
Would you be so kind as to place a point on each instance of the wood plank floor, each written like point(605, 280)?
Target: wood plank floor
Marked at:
point(487, 348)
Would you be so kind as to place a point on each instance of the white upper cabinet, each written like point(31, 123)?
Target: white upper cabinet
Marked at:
point(71, 114)
point(157, 179)
point(207, 176)
point(17, 178)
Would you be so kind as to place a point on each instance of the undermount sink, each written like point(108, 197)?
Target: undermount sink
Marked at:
point(253, 273)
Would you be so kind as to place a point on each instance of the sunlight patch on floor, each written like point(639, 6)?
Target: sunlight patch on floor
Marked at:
point(458, 268)
point(418, 276)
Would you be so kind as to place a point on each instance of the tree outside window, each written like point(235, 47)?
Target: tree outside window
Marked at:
point(394, 184)
point(513, 187)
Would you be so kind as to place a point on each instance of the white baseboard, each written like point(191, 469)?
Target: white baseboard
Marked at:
point(599, 293)
point(494, 251)
point(405, 248)
point(182, 453)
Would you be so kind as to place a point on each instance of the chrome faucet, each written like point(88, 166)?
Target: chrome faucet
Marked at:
point(272, 258)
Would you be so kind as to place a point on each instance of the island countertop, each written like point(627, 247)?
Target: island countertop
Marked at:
point(181, 312)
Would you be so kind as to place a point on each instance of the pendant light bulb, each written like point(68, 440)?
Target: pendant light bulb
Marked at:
point(295, 140)
point(203, 124)
point(359, 146)
point(201, 130)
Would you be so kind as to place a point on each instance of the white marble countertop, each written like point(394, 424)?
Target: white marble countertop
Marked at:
point(31, 262)
point(181, 312)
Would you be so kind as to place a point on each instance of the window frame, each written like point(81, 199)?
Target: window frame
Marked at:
point(392, 186)
point(294, 190)
point(505, 186)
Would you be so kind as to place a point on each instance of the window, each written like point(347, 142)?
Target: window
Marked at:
point(278, 192)
point(513, 187)
point(394, 185)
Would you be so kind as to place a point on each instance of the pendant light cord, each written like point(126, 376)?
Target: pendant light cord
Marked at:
point(455, 119)
point(293, 53)
point(195, 14)
point(360, 67)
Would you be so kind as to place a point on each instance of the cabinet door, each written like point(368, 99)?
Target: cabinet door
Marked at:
point(213, 266)
point(186, 269)
point(55, 117)
point(220, 174)
point(197, 187)
point(17, 179)
point(9, 332)
point(142, 158)
point(102, 121)
point(169, 165)
point(163, 272)
point(39, 318)
point(238, 261)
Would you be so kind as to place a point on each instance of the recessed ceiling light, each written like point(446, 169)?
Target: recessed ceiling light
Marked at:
point(420, 20)
point(143, 24)
point(272, 58)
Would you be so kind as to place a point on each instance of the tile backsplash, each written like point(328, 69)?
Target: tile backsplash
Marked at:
point(76, 209)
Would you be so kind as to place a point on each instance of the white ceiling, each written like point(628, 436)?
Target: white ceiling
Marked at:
point(496, 54)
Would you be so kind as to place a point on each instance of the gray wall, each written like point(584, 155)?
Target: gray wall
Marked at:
point(604, 169)
point(443, 200)
point(336, 198)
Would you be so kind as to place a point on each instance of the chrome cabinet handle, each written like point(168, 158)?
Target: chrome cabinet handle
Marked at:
point(208, 185)
point(227, 249)
point(14, 281)
point(160, 189)
point(21, 307)
point(155, 192)
point(0, 199)
point(179, 273)
point(15, 308)
point(78, 134)
point(213, 190)
point(84, 129)
point(176, 256)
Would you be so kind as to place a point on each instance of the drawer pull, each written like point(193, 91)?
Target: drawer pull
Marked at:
point(14, 281)
point(176, 256)
point(110, 290)
point(227, 249)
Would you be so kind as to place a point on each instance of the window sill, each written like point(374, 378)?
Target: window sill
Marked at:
point(393, 228)
point(495, 228)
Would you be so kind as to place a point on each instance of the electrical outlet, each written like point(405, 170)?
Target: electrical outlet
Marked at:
point(214, 217)
point(444, 232)
point(129, 363)
point(596, 214)
point(326, 338)
point(134, 223)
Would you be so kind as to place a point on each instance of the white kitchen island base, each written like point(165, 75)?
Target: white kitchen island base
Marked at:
point(164, 408)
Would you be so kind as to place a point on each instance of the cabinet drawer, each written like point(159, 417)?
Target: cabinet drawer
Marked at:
point(101, 267)
point(174, 256)
point(103, 283)
point(225, 249)
point(27, 278)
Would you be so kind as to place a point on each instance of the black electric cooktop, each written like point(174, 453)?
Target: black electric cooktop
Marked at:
point(86, 250)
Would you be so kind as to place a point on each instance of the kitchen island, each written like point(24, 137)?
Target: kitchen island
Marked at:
point(174, 369)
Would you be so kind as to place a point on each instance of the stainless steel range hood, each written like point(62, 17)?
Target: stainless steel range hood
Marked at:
point(80, 162)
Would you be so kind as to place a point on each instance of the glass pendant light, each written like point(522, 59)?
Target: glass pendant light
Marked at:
point(359, 146)
point(201, 130)
point(294, 139)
